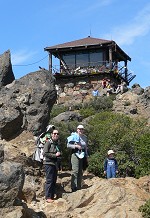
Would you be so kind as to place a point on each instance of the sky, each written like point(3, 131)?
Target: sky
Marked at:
point(28, 26)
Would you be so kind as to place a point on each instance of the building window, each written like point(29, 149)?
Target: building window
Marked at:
point(69, 60)
point(83, 59)
point(96, 58)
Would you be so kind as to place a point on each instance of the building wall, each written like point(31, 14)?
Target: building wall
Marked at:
point(81, 87)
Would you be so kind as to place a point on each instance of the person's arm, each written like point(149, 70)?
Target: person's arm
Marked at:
point(73, 145)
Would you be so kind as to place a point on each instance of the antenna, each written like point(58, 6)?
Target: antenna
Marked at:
point(90, 31)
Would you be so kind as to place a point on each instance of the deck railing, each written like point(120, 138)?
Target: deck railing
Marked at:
point(107, 67)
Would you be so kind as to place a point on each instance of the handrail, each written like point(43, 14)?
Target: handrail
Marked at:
point(100, 67)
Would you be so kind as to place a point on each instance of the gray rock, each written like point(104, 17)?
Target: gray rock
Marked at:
point(11, 180)
point(68, 116)
point(136, 88)
point(26, 104)
point(6, 73)
point(1, 153)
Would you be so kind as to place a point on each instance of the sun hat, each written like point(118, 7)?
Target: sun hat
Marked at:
point(110, 152)
point(80, 127)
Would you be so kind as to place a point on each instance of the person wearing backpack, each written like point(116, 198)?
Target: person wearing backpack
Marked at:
point(39, 142)
point(110, 165)
point(51, 152)
point(77, 142)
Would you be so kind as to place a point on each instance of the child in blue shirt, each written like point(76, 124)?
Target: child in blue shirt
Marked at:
point(110, 165)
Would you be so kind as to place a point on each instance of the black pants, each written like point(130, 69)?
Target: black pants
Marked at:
point(51, 177)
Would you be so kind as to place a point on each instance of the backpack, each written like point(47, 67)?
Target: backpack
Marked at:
point(40, 141)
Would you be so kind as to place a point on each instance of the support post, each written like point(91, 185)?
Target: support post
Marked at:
point(50, 62)
point(110, 57)
point(126, 70)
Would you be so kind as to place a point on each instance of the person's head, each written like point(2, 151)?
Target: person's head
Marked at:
point(55, 135)
point(110, 153)
point(80, 129)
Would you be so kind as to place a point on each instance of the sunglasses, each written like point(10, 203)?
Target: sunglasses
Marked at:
point(55, 133)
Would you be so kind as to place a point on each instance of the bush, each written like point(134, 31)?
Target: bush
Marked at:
point(96, 164)
point(107, 130)
point(56, 110)
point(142, 150)
point(129, 139)
point(99, 103)
point(87, 112)
point(145, 209)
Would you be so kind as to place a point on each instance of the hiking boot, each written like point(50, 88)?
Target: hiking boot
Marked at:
point(74, 189)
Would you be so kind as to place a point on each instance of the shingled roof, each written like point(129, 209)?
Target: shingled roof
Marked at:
point(88, 42)
point(81, 42)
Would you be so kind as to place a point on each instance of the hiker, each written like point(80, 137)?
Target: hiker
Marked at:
point(122, 88)
point(77, 142)
point(50, 153)
point(110, 165)
point(40, 141)
point(95, 92)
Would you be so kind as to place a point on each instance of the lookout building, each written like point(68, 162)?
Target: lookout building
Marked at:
point(89, 59)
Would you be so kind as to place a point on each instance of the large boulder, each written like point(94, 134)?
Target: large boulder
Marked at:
point(12, 180)
point(137, 89)
point(6, 73)
point(26, 103)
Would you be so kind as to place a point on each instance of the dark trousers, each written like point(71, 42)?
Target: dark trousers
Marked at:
point(51, 177)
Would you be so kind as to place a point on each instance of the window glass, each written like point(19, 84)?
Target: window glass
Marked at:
point(82, 60)
point(69, 59)
point(96, 58)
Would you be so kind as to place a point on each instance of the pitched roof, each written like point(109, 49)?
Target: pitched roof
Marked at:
point(81, 42)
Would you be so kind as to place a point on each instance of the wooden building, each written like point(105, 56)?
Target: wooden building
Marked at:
point(91, 60)
point(90, 55)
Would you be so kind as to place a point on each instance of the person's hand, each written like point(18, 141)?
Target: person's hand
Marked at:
point(78, 146)
point(57, 154)
point(116, 171)
point(104, 172)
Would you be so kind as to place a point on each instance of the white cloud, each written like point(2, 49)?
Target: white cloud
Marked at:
point(139, 26)
point(97, 5)
point(21, 57)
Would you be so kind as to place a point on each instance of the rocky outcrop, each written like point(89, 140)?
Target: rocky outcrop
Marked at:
point(68, 116)
point(26, 104)
point(119, 197)
point(135, 103)
point(11, 180)
point(6, 73)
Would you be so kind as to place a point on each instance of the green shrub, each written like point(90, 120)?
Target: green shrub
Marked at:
point(99, 103)
point(129, 139)
point(145, 209)
point(56, 110)
point(87, 112)
point(142, 150)
point(96, 164)
point(107, 130)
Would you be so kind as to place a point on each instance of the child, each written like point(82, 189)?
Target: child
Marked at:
point(110, 165)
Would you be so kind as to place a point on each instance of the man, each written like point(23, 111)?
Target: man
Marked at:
point(50, 153)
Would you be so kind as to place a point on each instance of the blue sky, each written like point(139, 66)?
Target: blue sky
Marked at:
point(28, 26)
